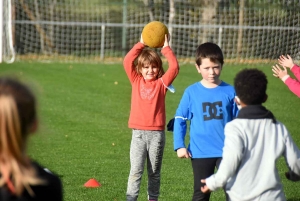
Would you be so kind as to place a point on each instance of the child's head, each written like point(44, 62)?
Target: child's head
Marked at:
point(251, 86)
point(17, 109)
point(17, 120)
point(209, 62)
point(210, 51)
point(149, 64)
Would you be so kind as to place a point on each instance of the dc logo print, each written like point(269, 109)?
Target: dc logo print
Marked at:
point(212, 110)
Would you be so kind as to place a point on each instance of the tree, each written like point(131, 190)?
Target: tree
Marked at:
point(209, 13)
point(150, 5)
point(171, 17)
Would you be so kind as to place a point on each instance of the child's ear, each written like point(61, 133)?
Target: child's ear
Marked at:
point(198, 68)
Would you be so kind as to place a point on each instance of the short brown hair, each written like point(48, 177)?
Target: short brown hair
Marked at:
point(211, 51)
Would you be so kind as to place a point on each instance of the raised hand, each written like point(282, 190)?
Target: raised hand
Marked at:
point(278, 72)
point(141, 40)
point(167, 39)
point(286, 61)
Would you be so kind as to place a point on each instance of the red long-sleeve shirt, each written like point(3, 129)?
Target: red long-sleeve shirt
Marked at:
point(148, 97)
point(294, 85)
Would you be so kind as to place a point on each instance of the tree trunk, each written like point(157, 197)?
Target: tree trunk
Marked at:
point(38, 18)
point(51, 27)
point(171, 17)
point(241, 23)
point(150, 5)
point(208, 17)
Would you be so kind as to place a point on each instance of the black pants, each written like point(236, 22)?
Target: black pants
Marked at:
point(203, 168)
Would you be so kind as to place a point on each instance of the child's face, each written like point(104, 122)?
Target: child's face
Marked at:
point(149, 72)
point(210, 71)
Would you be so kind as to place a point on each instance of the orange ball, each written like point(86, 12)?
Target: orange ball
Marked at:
point(154, 34)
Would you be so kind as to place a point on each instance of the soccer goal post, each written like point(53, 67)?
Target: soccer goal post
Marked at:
point(6, 28)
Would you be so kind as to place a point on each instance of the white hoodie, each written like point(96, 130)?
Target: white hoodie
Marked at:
point(252, 147)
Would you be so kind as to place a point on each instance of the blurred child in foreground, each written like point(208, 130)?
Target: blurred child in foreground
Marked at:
point(20, 177)
point(148, 114)
point(287, 62)
point(254, 142)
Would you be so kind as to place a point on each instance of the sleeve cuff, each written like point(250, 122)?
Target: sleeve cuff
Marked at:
point(284, 78)
point(141, 44)
point(210, 183)
point(165, 50)
point(295, 65)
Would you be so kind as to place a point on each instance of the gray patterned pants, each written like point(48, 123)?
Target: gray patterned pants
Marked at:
point(145, 145)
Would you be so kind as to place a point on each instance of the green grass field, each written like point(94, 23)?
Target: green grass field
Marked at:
point(83, 131)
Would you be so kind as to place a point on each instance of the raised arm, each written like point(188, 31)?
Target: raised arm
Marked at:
point(293, 85)
point(173, 68)
point(288, 62)
point(296, 71)
point(128, 61)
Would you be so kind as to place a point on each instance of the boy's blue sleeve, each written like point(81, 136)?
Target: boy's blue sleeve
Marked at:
point(183, 114)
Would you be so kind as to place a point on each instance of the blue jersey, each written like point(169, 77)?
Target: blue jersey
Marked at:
point(207, 110)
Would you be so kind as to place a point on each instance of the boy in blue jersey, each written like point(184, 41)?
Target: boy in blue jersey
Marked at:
point(208, 105)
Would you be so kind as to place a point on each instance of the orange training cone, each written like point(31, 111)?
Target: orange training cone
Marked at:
point(92, 183)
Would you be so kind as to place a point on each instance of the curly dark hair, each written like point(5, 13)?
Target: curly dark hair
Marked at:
point(250, 86)
point(209, 50)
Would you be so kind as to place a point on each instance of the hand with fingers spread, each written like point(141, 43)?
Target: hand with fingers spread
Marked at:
point(279, 72)
point(286, 61)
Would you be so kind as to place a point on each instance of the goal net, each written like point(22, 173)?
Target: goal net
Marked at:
point(248, 31)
